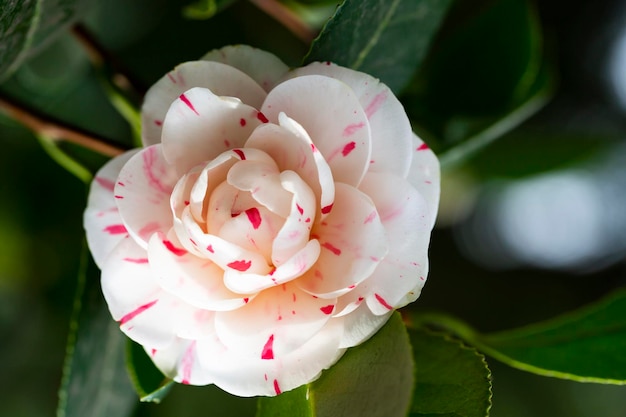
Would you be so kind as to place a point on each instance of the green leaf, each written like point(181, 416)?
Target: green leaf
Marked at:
point(28, 26)
point(586, 345)
point(385, 38)
point(149, 382)
point(371, 380)
point(451, 379)
point(205, 9)
point(95, 382)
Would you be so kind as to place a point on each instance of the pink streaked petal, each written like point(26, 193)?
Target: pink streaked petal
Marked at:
point(225, 254)
point(179, 361)
point(102, 212)
point(294, 233)
point(406, 217)
point(425, 175)
point(289, 314)
point(146, 313)
point(143, 188)
point(360, 325)
point(196, 281)
point(263, 67)
point(294, 267)
point(262, 181)
point(353, 244)
point(327, 109)
point(389, 124)
point(200, 125)
point(324, 176)
point(247, 376)
point(221, 79)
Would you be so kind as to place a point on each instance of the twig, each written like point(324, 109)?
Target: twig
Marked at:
point(49, 128)
point(288, 19)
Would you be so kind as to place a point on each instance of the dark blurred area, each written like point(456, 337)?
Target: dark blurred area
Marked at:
point(533, 226)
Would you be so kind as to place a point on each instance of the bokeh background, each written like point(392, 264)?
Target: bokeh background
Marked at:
point(534, 225)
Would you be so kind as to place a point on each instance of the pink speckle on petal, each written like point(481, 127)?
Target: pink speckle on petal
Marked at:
point(300, 209)
point(176, 251)
point(351, 129)
point(254, 216)
point(240, 265)
point(277, 387)
point(262, 117)
point(328, 309)
point(240, 153)
point(348, 148)
point(268, 349)
point(187, 363)
point(154, 178)
point(383, 302)
point(137, 260)
point(158, 123)
point(332, 248)
point(246, 300)
point(119, 197)
point(375, 104)
point(423, 147)
point(153, 352)
point(242, 122)
point(128, 317)
point(115, 229)
point(370, 217)
point(327, 209)
point(105, 183)
point(171, 77)
point(210, 249)
point(185, 100)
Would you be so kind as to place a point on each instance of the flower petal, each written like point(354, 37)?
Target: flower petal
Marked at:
point(294, 267)
point(102, 221)
point(196, 281)
point(142, 192)
point(222, 80)
point(353, 242)
point(333, 117)
point(406, 217)
point(200, 125)
point(264, 68)
point(389, 124)
point(248, 376)
point(425, 176)
point(146, 313)
point(360, 325)
point(278, 321)
point(180, 361)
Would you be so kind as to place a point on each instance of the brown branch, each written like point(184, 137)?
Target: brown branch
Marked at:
point(288, 18)
point(57, 132)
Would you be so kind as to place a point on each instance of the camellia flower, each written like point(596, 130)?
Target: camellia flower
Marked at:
point(273, 219)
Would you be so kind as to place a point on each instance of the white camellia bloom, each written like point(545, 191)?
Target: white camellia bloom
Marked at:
point(273, 219)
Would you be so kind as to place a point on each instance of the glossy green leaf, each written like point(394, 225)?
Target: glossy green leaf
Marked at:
point(205, 9)
point(586, 345)
point(149, 382)
point(374, 379)
point(95, 382)
point(451, 379)
point(29, 25)
point(385, 38)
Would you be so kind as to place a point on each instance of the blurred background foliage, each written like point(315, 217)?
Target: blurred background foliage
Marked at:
point(531, 226)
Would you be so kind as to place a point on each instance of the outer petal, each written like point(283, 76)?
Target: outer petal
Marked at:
point(143, 192)
point(425, 176)
point(196, 281)
point(222, 80)
point(360, 325)
point(332, 115)
point(200, 125)
point(278, 321)
point(250, 376)
point(102, 220)
point(407, 220)
point(353, 242)
point(389, 124)
point(146, 313)
point(264, 68)
point(179, 361)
